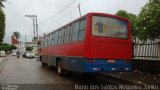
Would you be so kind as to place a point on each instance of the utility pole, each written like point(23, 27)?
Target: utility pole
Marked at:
point(25, 38)
point(79, 6)
point(37, 28)
point(24, 43)
point(35, 24)
point(33, 27)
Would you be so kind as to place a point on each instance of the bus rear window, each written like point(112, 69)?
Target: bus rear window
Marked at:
point(109, 27)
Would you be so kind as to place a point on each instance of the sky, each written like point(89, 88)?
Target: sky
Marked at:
point(49, 17)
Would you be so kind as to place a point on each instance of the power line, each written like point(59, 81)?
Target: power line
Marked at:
point(69, 13)
point(55, 4)
point(58, 12)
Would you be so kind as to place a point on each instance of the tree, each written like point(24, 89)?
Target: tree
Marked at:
point(13, 47)
point(29, 48)
point(2, 22)
point(2, 25)
point(1, 3)
point(149, 21)
point(122, 13)
point(17, 34)
point(7, 47)
point(133, 19)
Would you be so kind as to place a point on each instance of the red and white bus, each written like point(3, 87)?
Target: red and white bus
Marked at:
point(95, 42)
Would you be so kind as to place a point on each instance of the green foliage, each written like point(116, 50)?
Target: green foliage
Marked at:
point(147, 25)
point(34, 38)
point(122, 13)
point(149, 21)
point(16, 34)
point(13, 47)
point(133, 20)
point(2, 25)
point(29, 48)
point(1, 3)
point(6, 47)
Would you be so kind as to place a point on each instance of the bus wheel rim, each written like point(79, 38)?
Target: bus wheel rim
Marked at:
point(59, 68)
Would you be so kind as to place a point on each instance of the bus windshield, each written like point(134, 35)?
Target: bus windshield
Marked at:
point(109, 27)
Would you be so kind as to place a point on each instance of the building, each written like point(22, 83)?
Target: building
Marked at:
point(14, 41)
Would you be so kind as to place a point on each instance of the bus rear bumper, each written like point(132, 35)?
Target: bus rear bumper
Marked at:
point(103, 66)
point(106, 69)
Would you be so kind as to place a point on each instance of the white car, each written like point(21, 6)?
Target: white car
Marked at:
point(29, 55)
point(14, 54)
point(2, 53)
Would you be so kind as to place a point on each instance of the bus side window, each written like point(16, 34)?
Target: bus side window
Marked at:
point(65, 35)
point(50, 40)
point(53, 35)
point(62, 36)
point(70, 34)
point(82, 29)
point(59, 35)
point(56, 38)
point(75, 31)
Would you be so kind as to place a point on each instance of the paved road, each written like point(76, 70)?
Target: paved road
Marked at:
point(29, 71)
point(1, 58)
point(27, 74)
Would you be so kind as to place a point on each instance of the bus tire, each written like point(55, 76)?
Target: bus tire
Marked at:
point(43, 65)
point(40, 58)
point(60, 69)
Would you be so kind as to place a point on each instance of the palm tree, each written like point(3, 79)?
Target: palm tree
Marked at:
point(17, 34)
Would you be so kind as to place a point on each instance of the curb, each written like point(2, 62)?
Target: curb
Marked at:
point(1, 59)
point(2, 63)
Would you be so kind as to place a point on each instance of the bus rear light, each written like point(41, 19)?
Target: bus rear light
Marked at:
point(126, 69)
point(96, 69)
point(111, 61)
point(114, 69)
point(90, 60)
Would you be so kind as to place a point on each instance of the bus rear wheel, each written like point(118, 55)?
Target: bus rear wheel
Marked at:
point(60, 69)
point(43, 64)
